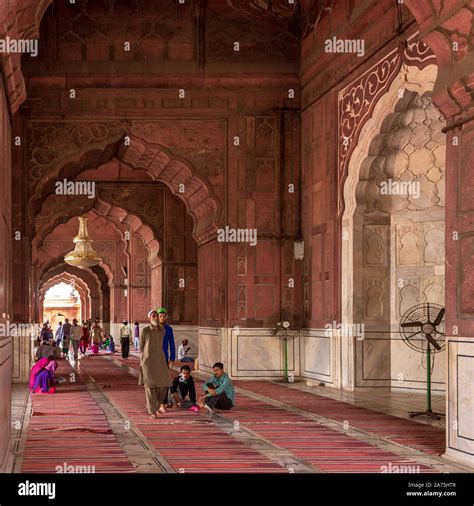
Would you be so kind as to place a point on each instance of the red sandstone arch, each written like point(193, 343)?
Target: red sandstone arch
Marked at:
point(80, 286)
point(58, 263)
point(98, 279)
point(158, 162)
point(87, 283)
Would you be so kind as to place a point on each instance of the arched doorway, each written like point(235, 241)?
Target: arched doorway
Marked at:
point(62, 301)
point(393, 234)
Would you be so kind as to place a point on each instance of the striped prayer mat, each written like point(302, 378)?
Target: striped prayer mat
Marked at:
point(68, 428)
point(326, 449)
point(425, 438)
point(189, 442)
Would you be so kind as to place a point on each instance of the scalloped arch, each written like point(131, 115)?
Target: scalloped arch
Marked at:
point(161, 165)
point(114, 214)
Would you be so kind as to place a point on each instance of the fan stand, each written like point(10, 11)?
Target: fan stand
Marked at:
point(429, 412)
point(286, 359)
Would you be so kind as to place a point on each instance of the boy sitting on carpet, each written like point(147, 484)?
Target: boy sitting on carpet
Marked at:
point(182, 386)
point(220, 391)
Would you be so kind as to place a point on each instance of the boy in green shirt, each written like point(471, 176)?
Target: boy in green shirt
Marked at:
point(219, 390)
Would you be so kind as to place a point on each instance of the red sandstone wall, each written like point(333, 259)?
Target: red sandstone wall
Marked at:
point(233, 284)
point(323, 75)
point(5, 277)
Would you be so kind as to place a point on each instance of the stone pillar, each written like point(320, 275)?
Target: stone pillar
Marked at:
point(212, 302)
point(156, 283)
point(448, 31)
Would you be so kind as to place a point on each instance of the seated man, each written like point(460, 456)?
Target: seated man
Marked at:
point(183, 350)
point(44, 350)
point(111, 345)
point(181, 386)
point(220, 391)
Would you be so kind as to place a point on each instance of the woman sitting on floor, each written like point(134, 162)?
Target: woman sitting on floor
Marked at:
point(45, 379)
point(36, 369)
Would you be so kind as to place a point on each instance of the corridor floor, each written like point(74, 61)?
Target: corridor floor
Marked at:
point(97, 422)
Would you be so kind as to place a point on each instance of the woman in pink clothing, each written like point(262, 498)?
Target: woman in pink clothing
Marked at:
point(36, 369)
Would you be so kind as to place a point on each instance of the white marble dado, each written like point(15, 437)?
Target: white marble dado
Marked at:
point(319, 356)
point(256, 353)
point(460, 400)
point(383, 359)
point(211, 348)
point(409, 368)
point(23, 355)
point(191, 333)
point(372, 359)
point(246, 353)
point(5, 399)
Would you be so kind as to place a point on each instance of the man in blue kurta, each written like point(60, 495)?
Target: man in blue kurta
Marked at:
point(169, 348)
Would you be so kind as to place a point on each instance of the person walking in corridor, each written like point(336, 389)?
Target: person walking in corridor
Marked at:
point(58, 333)
point(96, 337)
point(76, 331)
point(154, 366)
point(125, 338)
point(66, 335)
point(85, 337)
point(136, 336)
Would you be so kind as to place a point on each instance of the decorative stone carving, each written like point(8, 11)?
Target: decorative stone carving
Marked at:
point(408, 244)
point(375, 253)
point(374, 298)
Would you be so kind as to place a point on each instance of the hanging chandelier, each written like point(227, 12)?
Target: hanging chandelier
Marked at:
point(83, 255)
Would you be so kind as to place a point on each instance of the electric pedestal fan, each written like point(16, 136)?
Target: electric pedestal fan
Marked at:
point(284, 332)
point(422, 329)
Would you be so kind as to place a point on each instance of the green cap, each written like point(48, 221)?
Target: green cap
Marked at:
point(162, 310)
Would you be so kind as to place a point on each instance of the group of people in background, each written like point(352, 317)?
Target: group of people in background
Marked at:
point(89, 335)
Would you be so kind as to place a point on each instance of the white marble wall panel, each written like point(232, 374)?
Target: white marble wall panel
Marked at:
point(319, 356)
point(460, 401)
point(23, 352)
point(373, 359)
point(255, 353)
point(211, 348)
point(409, 368)
point(191, 333)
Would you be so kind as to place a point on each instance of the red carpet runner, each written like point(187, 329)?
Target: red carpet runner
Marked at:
point(425, 438)
point(326, 449)
point(68, 428)
point(187, 441)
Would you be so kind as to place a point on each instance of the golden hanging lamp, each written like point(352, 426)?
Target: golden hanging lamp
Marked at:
point(83, 255)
